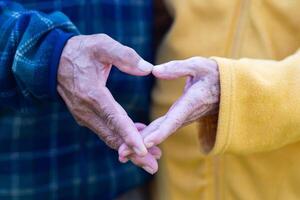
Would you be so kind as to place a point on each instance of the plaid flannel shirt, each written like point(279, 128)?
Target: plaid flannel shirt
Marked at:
point(44, 154)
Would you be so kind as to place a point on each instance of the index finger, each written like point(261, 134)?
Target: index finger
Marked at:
point(119, 122)
point(173, 120)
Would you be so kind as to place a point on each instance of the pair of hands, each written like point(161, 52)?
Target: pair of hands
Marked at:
point(84, 67)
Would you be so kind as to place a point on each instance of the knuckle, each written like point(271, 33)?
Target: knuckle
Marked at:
point(102, 42)
point(194, 68)
point(195, 63)
point(195, 59)
point(129, 53)
point(103, 37)
point(129, 140)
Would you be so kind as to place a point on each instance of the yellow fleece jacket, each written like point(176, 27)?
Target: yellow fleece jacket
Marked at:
point(255, 154)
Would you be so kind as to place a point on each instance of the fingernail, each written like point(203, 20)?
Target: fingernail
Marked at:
point(145, 66)
point(140, 152)
point(125, 152)
point(148, 144)
point(123, 160)
point(148, 169)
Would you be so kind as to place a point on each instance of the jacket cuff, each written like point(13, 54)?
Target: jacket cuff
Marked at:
point(219, 142)
point(62, 39)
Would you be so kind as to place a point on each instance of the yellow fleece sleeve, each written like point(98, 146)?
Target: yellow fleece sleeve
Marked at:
point(259, 105)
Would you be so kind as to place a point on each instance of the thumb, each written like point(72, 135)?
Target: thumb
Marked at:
point(173, 70)
point(128, 60)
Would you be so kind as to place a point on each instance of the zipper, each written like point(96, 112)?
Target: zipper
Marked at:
point(217, 161)
point(237, 40)
point(217, 176)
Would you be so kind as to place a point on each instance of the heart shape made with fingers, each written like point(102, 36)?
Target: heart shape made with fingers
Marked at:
point(200, 98)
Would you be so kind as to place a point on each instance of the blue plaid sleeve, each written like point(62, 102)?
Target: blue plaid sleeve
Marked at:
point(30, 46)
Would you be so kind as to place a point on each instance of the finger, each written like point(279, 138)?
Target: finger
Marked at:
point(130, 134)
point(128, 61)
point(156, 152)
point(91, 120)
point(124, 150)
point(118, 121)
point(189, 67)
point(124, 58)
point(103, 132)
point(152, 126)
point(148, 163)
point(123, 159)
point(173, 120)
point(173, 70)
point(140, 126)
point(124, 154)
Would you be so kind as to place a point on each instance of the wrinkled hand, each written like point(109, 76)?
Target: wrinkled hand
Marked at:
point(200, 98)
point(84, 67)
point(148, 162)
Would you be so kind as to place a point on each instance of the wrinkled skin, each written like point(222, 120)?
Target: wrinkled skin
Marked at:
point(83, 70)
point(200, 98)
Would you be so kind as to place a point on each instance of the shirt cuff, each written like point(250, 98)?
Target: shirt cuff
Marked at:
point(62, 39)
point(218, 142)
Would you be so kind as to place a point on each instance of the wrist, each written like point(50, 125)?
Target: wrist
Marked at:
point(61, 41)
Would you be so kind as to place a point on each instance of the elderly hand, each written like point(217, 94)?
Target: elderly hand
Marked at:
point(84, 67)
point(200, 96)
